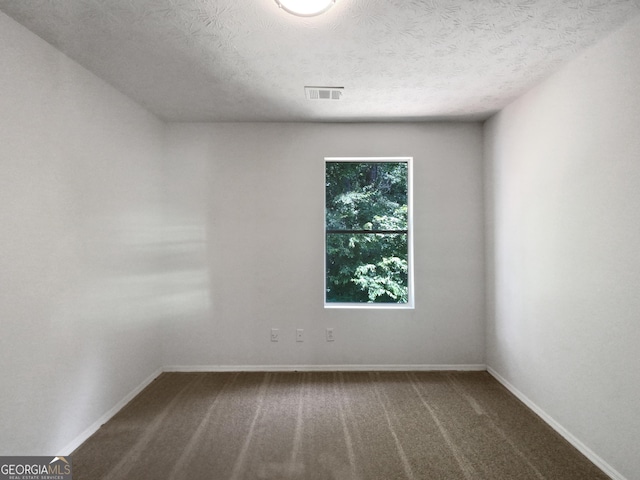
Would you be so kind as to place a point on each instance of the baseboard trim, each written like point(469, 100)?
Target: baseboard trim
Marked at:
point(80, 439)
point(586, 451)
point(323, 368)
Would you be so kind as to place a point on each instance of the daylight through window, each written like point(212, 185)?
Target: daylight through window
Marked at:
point(368, 232)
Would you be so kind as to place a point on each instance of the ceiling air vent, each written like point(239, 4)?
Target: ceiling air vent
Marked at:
point(323, 93)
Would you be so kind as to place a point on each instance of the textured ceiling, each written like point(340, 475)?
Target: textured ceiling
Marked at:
point(241, 60)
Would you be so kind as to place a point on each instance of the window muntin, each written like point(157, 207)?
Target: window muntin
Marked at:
point(368, 241)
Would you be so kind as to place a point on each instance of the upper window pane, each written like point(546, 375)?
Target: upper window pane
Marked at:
point(366, 195)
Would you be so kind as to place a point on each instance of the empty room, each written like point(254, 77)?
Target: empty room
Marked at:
point(329, 239)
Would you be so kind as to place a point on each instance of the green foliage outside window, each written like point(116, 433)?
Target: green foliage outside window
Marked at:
point(364, 197)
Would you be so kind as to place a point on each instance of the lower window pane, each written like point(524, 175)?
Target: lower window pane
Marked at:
point(367, 268)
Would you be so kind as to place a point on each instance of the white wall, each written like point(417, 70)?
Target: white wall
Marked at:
point(563, 193)
point(246, 205)
point(79, 257)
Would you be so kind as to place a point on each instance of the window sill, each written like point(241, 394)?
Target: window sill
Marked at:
point(371, 306)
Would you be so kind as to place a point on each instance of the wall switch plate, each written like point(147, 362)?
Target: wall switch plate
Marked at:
point(275, 334)
point(299, 335)
point(329, 334)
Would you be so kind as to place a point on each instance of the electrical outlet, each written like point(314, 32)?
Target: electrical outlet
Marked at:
point(330, 335)
point(299, 335)
point(275, 334)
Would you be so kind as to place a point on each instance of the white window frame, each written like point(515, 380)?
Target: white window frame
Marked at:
point(402, 306)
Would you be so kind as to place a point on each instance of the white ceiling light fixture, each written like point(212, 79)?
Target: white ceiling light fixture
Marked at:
point(305, 8)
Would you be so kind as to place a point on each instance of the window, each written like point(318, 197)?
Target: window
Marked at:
point(368, 238)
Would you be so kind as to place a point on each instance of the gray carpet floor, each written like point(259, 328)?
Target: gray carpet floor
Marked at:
point(328, 425)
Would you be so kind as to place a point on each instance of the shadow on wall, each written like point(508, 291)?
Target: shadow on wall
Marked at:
point(149, 272)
